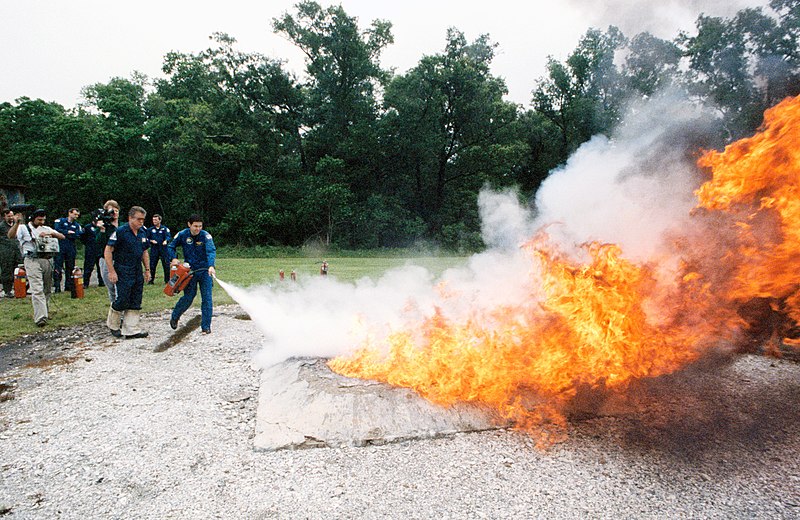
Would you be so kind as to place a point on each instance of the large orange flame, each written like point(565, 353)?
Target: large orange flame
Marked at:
point(607, 322)
point(758, 181)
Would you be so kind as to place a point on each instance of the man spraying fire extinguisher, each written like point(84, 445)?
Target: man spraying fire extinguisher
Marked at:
point(200, 253)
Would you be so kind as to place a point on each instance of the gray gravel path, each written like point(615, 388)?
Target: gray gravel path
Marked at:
point(104, 428)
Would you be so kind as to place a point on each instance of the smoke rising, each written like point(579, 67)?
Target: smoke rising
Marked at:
point(663, 18)
point(630, 190)
point(634, 188)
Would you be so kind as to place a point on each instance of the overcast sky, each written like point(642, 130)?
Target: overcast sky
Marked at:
point(51, 49)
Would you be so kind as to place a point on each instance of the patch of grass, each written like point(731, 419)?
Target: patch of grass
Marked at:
point(279, 252)
point(16, 315)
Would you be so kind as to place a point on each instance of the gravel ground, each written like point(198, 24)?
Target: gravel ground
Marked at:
point(104, 428)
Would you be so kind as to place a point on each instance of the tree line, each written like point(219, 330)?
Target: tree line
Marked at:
point(357, 156)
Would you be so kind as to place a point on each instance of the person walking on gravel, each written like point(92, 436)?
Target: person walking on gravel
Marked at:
point(199, 251)
point(126, 254)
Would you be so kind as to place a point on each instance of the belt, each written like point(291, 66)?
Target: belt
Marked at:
point(43, 256)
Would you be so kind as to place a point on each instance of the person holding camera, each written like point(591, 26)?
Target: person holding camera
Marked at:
point(107, 222)
point(125, 255)
point(65, 259)
point(37, 252)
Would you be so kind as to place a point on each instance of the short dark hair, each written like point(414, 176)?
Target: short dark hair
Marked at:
point(195, 217)
point(156, 215)
point(6, 212)
point(73, 209)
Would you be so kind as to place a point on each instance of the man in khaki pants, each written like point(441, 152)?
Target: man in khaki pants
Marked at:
point(38, 266)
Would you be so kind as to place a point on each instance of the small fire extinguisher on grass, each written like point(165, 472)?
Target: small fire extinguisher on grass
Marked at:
point(20, 282)
point(77, 283)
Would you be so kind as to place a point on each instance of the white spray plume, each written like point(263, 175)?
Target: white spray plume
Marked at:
point(628, 190)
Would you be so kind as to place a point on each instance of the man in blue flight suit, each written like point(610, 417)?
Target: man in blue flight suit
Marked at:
point(199, 251)
point(125, 255)
point(159, 236)
point(65, 259)
point(91, 253)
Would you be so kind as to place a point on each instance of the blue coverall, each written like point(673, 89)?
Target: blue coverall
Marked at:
point(91, 255)
point(159, 237)
point(65, 259)
point(199, 251)
point(127, 255)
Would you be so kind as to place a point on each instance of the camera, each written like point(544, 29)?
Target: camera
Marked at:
point(106, 215)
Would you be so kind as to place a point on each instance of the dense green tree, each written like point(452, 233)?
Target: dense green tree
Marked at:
point(353, 156)
point(56, 153)
point(652, 64)
point(120, 116)
point(452, 132)
point(342, 64)
point(772, 45)
point(340, 117)
point(718, 71)
point(745, 64)
point(220, 125)
point(545, 150)
point(584, 95)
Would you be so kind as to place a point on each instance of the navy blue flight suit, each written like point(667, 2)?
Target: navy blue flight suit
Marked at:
point(159, 237)
point(91, 255)
point(199, 251)
point(65, 259)
point(127, 255)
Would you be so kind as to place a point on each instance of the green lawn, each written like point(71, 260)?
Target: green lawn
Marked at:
point(16, 315)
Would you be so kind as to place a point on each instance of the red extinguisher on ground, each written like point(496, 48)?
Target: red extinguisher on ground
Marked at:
point(20, 282)
point(77, 283)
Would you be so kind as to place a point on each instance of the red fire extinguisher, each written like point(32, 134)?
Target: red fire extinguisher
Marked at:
point(77, 283)
point(180, 274)
point(20, 282)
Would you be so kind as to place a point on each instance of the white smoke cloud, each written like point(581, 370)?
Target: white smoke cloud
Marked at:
point(662, 18)
point(504, 223)
point(632, 189)
point(628, 190)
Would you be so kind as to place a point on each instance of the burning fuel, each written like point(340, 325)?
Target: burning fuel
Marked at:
point(594, 317)
point(640, 260)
